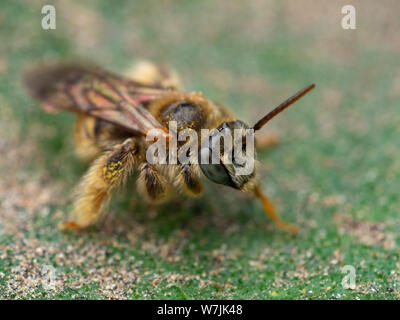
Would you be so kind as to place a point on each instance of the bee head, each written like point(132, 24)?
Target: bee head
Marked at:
point(234, 165)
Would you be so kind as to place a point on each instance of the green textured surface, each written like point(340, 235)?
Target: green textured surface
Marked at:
point(336, 173)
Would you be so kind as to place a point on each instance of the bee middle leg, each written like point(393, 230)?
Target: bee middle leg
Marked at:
point(267, 139)
point(107, 172)
point(155, 186)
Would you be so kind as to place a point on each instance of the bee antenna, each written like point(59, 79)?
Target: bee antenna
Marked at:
point(282, 107)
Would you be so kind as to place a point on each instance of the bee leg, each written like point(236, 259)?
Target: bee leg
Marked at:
point(153, 74)
point(107, 172)
point(151, 182)
point(270, 211)
point(268, 139)
point(86, 147)
point(187, 180)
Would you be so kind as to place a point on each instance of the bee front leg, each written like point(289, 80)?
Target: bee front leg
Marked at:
point(270, 211)
point(107, 172)
point(154, 74)
point(268, 139)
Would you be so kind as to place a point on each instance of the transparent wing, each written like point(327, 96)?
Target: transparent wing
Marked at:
point(95, 92)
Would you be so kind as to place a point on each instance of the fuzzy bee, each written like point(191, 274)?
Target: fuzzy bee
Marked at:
point(114, 115)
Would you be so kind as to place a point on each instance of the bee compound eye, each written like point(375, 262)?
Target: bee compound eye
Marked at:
point(215, 172)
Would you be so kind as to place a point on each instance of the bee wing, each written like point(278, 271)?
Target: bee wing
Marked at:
point(94, 92)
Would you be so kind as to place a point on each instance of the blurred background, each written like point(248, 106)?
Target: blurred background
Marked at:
point(336, 173)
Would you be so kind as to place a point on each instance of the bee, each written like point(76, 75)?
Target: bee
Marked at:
point(114, 115)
